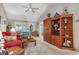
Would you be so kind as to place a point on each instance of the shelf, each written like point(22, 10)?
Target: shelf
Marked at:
point(56, 35)
point(67, 23)
point(64, 37)
point(67, 15)
point(67, 29)
point(55, 30)
point(68, 48)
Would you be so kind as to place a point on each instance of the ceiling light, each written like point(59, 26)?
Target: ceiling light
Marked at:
point(30, 9)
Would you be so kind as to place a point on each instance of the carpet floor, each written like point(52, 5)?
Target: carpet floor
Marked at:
point(44, 48)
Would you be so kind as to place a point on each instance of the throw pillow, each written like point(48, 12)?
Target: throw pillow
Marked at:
point(10, 38)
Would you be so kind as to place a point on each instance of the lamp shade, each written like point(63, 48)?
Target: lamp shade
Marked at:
point(13, 30)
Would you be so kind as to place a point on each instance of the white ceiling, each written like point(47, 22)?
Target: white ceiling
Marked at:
point(14, 11)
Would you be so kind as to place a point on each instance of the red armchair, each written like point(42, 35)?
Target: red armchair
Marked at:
point(17, 42)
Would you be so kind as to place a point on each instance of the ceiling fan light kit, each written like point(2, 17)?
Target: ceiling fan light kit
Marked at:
point(30, 8)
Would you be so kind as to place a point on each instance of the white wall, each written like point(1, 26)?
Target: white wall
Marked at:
point(41, 30)
point(72, 8)
point(3, 18)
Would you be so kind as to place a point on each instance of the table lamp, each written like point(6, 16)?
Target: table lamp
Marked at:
point(13, 30)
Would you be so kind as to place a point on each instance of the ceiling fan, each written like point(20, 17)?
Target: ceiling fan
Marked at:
point(30, 8)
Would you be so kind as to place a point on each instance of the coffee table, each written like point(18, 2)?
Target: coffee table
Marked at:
point(32, 40)
point(25, 42)
point(16, 50)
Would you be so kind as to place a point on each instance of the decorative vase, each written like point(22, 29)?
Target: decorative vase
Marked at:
point(49, 14)
point(65, 10)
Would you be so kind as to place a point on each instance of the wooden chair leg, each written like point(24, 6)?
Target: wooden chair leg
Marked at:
point(35, 43)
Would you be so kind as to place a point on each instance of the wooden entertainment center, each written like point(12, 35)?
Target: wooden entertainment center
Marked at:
point(58, 30)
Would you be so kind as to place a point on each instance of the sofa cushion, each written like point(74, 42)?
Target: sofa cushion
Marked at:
point(6, 33)
point(14, 43)
point(13, 34)
point(10, 38)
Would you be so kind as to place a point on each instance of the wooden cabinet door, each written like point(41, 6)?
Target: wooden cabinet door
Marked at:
point(56, 41)
point(47, 26)
point(53, 40)
point(47, 30)
point(49, 39)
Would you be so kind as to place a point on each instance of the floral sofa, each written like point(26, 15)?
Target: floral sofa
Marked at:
point(10, 43)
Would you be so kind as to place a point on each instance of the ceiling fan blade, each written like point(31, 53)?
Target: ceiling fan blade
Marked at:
point(30, 5)
point(33, 11)
point(35, 8)
point(27, 10)
point(24, 6)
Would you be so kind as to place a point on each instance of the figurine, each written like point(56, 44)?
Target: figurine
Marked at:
point(65, 10)
point(65, 20)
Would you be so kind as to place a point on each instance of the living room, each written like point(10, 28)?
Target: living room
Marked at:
point(32, 23)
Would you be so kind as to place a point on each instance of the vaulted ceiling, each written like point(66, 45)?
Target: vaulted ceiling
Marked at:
point(14, 11)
